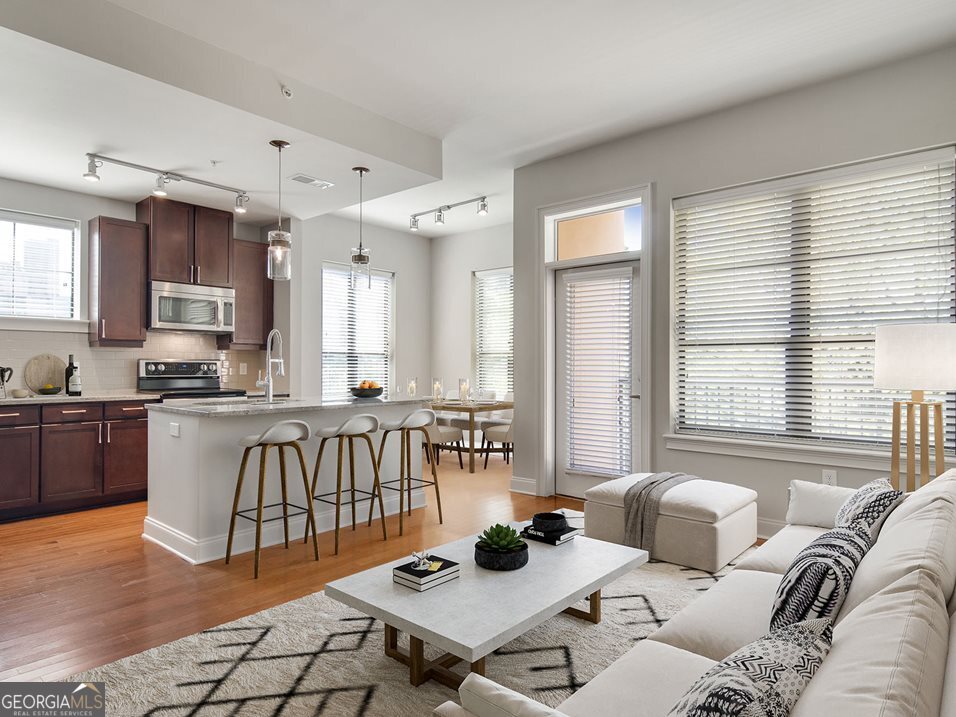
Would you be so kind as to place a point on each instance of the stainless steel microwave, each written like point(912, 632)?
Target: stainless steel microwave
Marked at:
point(189, 307)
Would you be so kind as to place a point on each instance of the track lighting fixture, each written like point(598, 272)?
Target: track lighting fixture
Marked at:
point(439, 212)
point(439, 216)
point(160, 189)
point(90, 174)
point(241, 200)
point(483, 207)
point(413, 224)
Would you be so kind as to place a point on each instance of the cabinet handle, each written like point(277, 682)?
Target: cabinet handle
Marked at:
point(191, 269)
point(134, 408)
point(73, 410)
point(9, 415)
point(107, 432)
point(19, 428)
point(101, 432)
point(198, 274)
point(103, 328)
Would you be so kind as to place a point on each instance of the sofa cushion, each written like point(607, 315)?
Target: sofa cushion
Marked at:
point(706, 501)
point(776, 555)
point(815, 503)
point(484, 698)
point(949, 678)
point(644, 682)
point(888, 655)
point(871, 504)
point(817, 582)
point(924, 537)
point(762, 679)
point(733, 613)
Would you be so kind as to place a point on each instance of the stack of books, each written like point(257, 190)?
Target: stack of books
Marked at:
point(440, 571)
point(552, 537)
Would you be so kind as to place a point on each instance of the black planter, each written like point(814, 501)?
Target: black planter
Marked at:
point(494, 560)
point(549, 522)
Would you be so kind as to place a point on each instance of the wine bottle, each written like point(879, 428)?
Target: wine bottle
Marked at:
point(70, 368)
point(75, 386)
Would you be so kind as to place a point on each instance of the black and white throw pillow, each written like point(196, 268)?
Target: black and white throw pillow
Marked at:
point(817, 581)
point(762, 679)
point(872, 504)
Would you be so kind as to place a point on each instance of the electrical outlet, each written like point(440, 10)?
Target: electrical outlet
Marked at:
point(174, 430)
point(829, 476)
point(243, 369)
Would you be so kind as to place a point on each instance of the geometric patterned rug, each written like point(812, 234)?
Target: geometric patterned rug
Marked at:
point(315, 656)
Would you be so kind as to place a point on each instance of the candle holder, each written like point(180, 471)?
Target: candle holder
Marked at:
point(464, 390)
point(412, 387)
point(438, 390)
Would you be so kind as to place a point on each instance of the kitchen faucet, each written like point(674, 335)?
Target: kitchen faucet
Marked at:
point(280, 364)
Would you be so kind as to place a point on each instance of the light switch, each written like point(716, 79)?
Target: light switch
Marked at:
point(174, 430)
point(243, 369)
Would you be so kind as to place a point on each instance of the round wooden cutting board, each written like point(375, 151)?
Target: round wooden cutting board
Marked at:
point(43, 369)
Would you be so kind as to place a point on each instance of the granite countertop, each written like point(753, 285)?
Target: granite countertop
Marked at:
point(91, 397)
point(256, 407)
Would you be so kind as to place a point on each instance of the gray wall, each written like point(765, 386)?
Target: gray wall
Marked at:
point(454, 259)
point(898, 107)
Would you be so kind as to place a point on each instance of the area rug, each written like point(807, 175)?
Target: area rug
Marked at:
point(314, 656)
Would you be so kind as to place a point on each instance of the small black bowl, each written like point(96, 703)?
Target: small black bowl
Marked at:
point(49, 391)
point(548, 522)
point(366, 392)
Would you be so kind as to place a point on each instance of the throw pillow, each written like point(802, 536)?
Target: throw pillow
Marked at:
point(872, 504)
point(817, 581)
point(762, 679)
point(815, 503)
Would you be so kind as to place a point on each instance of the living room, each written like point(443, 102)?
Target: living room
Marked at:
point(698, 323)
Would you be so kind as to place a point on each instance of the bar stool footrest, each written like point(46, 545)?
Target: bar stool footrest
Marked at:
point(420, 481)
point(299, 508)
point(321, 496)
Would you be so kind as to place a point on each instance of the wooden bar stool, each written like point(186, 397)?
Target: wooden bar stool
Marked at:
point(418, 420)
point(356, 427)
point(281, 435)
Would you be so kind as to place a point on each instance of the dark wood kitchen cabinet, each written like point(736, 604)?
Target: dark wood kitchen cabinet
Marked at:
point(124, 456)
point(71, 461)
point(118, 266)
point(20, 467)
point(253, 298)
point(188, 244)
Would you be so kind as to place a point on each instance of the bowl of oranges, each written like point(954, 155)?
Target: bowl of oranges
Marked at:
point(367, 389)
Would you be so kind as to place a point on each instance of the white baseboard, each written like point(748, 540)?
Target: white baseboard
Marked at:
point(528, 486)
point(767, 527)
point(214, 548)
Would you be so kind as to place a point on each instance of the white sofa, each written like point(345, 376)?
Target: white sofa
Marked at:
point(891, 643)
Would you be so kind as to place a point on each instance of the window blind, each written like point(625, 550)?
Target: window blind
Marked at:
point(597, 338)
point(494, 330)
point(39, 257)
point(779, 288)
point(356, 330)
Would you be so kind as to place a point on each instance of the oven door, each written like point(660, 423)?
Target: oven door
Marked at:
point(184, 307)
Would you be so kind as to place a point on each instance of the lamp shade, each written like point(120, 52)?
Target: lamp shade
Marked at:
point(916, 357)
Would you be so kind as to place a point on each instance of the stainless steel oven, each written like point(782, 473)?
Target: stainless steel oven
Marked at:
point(188, 307)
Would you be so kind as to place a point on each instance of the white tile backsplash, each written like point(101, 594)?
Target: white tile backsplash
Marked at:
point(109, 369)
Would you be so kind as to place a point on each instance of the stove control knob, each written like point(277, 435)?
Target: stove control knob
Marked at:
point(150, 367)
point(202, 367)
point(161, 367)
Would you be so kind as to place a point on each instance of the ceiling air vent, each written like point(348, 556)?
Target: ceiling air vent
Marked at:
point(311, 181)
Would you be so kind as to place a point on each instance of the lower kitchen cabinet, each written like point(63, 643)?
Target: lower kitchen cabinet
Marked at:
point(124, 456)
point(20, 467)
point(71, 461)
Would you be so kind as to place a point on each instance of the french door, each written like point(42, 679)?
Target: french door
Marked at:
point(597, 375)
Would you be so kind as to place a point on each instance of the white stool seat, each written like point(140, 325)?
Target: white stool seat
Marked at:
point(416, 419)
point(281, 432)
point(355, 426)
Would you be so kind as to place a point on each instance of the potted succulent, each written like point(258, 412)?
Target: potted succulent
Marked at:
point(501, 548)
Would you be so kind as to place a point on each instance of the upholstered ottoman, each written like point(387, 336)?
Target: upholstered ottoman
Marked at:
point(702, 524)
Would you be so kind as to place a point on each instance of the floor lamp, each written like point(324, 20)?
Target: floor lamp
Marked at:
point(916, 358)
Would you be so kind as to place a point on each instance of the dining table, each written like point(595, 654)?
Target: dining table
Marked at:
point(472, 409)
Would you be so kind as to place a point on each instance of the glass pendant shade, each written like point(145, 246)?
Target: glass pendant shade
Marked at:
point(279, 267)
point(360, 263)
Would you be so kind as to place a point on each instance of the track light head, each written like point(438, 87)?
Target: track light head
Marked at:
point(439, 216)
point(90, 174)
point(241, 200)
point(160, 189)
point(482, 207)
point(413, 224)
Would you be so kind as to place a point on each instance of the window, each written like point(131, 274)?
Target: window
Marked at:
point(607, 232)
point(39, 262)
point(494, 330)
point(356, 330)
point(779, 288)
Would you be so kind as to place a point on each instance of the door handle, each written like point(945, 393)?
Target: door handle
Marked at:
point(635, 395)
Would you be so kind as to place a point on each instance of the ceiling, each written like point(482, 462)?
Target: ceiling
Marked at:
point(508, 83)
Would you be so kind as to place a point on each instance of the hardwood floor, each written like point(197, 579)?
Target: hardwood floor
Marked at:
point(81, 590)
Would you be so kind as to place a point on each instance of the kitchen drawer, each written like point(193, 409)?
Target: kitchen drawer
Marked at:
point(19, 415)
point(72, 412)
point(118, 410)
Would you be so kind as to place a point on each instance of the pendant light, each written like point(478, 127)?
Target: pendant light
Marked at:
point(361, 261)
point(279, 266)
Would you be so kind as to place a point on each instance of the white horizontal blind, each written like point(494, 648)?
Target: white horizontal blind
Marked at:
point(356, 330)
point(779, 291)
point(494, 330)
point(39, 257)
point(598, 340)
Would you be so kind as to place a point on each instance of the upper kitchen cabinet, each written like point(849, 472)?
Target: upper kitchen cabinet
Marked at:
point(187, 244)
point(118, 266)
point(253, 298)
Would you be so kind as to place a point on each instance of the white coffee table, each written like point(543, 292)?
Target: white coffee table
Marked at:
point(482, 610)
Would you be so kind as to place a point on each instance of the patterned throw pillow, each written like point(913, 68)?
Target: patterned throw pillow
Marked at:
point(818, 579)
point(762, 679)
point(872, 504)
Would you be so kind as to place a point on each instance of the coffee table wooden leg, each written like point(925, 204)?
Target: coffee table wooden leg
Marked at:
point(416, 661)
point(421, 670)
point(391, 645)
point(593, 613)
point(478, 666)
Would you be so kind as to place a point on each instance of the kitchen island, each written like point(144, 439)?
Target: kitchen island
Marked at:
point(194, 461)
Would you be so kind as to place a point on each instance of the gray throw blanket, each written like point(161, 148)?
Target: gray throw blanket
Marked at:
point(642, 504)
